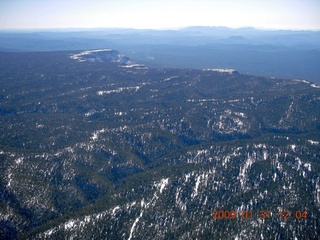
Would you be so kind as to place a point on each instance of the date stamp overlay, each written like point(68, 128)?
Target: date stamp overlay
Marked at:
point(260, 214)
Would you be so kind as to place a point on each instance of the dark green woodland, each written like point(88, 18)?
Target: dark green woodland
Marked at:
point(97, 146)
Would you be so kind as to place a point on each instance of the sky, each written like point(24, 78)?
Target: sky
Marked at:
point(159, 14)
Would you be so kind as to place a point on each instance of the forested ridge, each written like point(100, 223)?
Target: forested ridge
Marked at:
point(118, 150)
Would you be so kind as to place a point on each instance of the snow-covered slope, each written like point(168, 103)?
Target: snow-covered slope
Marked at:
point(101, 55)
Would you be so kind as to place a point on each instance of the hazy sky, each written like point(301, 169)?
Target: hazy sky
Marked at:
point(278, 14)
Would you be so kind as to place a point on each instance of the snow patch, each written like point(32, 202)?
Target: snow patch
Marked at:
point(69, 225)
point(314, 86)
point(220, 70)
point(19, 160)
point(313, 142)
point(162, 184)
point(95, 135)
point(134, 225)
point(243, 171)
point(305, 81)
point(79, 58)
point(138, 66)
point(118, 90)
point(170, 78)
point(115, 209)
point(293, 147)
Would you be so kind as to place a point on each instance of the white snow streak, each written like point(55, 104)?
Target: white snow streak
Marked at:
point(134, 225)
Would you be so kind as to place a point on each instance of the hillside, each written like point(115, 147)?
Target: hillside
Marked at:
point(107, 150)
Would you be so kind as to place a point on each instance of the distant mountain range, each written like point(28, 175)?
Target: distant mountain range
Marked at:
point(269, 53)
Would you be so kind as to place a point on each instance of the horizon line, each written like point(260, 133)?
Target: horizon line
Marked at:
point(155, 29)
